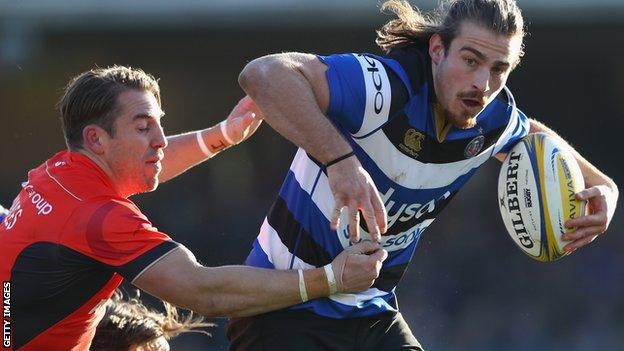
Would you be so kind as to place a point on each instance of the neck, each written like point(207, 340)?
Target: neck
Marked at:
point(100, 162)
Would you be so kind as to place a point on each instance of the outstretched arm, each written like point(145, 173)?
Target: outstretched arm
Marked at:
point(601, 194)
point(185, 150)
point(293, 93)
point(242, 291)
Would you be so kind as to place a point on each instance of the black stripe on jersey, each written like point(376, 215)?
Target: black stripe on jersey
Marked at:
point(430, 150)
point(50, 281)
point(389, 277)
point(417, 65)
point(136, 266)
point(294, 237)
point(400, 95)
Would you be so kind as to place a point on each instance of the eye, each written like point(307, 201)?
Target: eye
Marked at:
point(143, 129)
point(498, 70)
point(470, 62)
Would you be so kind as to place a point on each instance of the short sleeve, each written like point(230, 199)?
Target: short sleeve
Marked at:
point(518, 128)
point(362, 91)
point(118, 235)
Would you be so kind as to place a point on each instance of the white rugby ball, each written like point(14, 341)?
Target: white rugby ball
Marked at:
point(537, 185)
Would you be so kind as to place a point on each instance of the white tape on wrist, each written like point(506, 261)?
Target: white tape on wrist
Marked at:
point(331, 279)
point(202, 144)
point(223, 128)
point(302, 288)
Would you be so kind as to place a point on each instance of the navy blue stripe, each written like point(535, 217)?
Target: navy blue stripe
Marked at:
point(389, 277)
point(258, 258)
point(288, 228)
point(309, 216)
point(418, 144)
point(332, 309)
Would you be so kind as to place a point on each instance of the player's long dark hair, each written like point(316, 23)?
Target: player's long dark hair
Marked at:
point(129, 322)
point(413, 27)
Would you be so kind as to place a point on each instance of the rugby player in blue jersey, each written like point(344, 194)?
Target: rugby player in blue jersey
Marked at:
point(394, 137)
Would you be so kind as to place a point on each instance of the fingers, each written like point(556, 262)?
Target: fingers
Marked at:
point(581, 233)
point(594, 191)
point(371, 222)
point(577, 244)
point(364, 247)
point(335, 220)
point(596, 219)
point(354, 223)
point(380, 211)
point(379, 255)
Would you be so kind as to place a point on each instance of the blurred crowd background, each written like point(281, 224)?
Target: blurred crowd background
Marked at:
point(468, 287)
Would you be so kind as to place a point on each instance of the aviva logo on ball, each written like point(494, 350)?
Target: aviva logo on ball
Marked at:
point(537, 188)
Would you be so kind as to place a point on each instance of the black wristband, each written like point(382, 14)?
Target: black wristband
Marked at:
point(336, 160)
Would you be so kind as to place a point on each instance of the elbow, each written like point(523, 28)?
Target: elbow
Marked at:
point(219, 306)
point(209, 308)
point(259, 72)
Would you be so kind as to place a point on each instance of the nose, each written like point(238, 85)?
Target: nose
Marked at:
point(481, 80)
point(160, 140)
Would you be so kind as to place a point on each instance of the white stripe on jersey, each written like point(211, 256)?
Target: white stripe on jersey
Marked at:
point(276, 251)
point(378, 94)
point(306, 171)
point(411, 173)
point(356, 299)
point(279, 255)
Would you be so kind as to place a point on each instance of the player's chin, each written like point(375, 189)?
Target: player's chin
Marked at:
point(465, 122)
point(151, 184)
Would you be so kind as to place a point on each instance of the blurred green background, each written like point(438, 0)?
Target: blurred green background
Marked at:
point(468, 287)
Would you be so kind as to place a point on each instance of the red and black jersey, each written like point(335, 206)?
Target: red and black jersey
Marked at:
point(67, 243)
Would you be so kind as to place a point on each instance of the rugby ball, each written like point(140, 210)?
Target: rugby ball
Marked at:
point(537, 185)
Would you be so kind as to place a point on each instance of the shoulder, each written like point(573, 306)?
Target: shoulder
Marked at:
point(106, 215)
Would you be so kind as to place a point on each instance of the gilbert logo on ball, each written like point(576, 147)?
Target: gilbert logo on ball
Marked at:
point(537, 185)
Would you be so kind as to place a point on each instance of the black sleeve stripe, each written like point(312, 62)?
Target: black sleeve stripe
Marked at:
point(134, 268)
point(400, 95)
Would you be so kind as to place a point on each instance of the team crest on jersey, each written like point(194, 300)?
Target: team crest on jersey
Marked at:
point(474, 146)
point(412, 142)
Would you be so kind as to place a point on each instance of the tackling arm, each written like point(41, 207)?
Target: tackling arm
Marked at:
point(601, 193)
point(184, 151)
point(241, 291)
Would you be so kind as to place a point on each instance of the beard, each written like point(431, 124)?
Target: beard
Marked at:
point(460, 120)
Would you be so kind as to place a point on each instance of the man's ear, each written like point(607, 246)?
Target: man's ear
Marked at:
point(94, 139)
point(436, 48)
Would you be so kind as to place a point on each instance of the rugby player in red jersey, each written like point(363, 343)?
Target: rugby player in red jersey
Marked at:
point(72, 235)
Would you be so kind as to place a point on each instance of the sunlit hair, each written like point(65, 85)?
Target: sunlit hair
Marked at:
point(413, 27)
point(128, 322)
point(91, 98)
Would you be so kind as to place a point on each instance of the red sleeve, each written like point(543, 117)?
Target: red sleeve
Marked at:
point(116, 234)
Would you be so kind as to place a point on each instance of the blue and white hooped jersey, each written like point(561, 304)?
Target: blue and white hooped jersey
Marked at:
point(384, 107)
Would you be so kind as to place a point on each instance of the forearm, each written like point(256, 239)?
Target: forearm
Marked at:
point(242, 291)
point(592, 175)
point(290, 104)
point(184, 152)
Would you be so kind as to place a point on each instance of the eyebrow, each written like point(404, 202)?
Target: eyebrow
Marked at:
point(147, 116)
point(483, 57)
